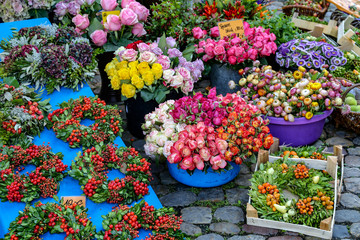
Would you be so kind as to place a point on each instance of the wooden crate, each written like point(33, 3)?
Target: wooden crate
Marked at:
point(344, 36)
point(331, 29)
point(326, 226)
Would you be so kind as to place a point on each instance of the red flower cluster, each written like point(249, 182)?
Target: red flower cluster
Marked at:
point(234, 11)
point(209, 11)
point(133, 45)
point(95, 162)
point(66, 122)
point(43, 181)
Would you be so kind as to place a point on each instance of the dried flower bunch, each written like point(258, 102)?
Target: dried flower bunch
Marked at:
point(49, 56)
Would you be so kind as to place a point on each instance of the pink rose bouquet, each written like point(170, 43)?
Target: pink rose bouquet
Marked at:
point(257, 42)
point(152, 71)
point(110, 30)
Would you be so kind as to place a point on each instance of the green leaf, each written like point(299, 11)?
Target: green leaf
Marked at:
point(56, 198)
point(188, 52)
point(95, 25)
point(162, 43)
point(146, 95)
point(11, 81)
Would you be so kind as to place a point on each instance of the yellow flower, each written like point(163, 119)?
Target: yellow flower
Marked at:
point(148, 78)
point(128, 90)
point(302, 69)
point(122, 64)
point(143, 67)
point(133, 72)
point(315, 104)
point(111, 72)
point(156, 66)
point(298, 75)
point(326, 73)
point(110, 65)
point(133, 64)
point(316, 86)
point(137, 82)
point(157, 73)
point(309, 115)
point(115, 83)
point(123, 74)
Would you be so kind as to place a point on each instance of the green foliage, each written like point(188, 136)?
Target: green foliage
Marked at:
point(279, 24)
point(351, 70)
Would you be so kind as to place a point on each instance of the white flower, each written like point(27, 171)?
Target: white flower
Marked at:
point(168, 74)
point(177, 81)
point(147, 56)
point(167, 147)
point(160, 139)
point(305, 92)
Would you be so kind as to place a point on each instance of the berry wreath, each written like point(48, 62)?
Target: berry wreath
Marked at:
point(91, 169)
point(53, 218)
point(121, 223)
point(65, 122)
point(43, 181)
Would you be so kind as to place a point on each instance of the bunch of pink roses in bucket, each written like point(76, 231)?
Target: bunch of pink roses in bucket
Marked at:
point(257, 42)
point(108, 24)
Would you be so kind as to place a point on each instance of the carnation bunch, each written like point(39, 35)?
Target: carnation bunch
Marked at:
point(16, 10)
point(257, 43)
point(118, 23)
point(152, 71)
point(310, 54)
point(294, 94)
point(48, 56)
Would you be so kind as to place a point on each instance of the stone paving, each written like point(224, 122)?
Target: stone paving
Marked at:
point(219, 213)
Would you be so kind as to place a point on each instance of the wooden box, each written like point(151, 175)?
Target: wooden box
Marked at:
point(326, 226)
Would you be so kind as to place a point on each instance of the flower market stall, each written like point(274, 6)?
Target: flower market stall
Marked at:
point(216, 119)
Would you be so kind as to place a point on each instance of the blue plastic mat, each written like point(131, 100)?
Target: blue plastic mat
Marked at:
point(69, 186)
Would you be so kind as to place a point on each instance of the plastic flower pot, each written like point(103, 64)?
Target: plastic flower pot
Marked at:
point(202, 179)
point(301, 132)
point(220, 76)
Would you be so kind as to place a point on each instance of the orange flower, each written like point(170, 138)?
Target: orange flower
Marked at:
point(231, 129)
point(235, 150)
point(233, 116)
point(265, 129)
point(238, 141)
point(252, 130)
point(268, 141)
point(261, 92)
point(256, 123)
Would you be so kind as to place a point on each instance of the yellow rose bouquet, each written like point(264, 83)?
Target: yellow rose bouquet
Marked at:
point(152, 70)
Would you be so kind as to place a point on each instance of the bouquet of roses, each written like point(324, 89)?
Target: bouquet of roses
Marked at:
point(108, 25)
point(310, 54)
point(16, 10)
point(290, 95)
point(204, 143)
point(48, 56)
point(22, 113)
point(152, 71)
point(257, 42)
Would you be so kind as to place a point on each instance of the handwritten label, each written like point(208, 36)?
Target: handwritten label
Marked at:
point(229, 27)
point(107, 13)
point(70, 200)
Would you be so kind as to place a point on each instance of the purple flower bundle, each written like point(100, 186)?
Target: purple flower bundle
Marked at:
point(309, 54)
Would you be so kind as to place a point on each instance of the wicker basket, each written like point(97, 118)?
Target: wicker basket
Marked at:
point(306, 11)
point(351, 120)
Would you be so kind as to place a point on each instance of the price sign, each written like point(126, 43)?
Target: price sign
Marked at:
point(229, 27)
point(70, 200)
point(107, 13)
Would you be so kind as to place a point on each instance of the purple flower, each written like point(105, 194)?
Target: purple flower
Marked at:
point(328, 54)
point(171, 42)
point(173, 52)
point(61, 9)
point(332, 68)
point(301, 63)
point(308, 64)
point(73, 8)
point(287, 63)
point(343, 61)
point(335, 61)
point(316, 63)
point(305, 57)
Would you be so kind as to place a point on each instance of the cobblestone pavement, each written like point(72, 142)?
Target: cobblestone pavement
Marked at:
point(219, 213)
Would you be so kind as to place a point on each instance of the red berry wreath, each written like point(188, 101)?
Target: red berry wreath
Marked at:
point(53, 218)
point(43, 181)
point(91, 171)
point(66, 122)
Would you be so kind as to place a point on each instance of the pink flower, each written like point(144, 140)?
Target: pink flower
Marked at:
point(81, 22)
point(235, 41)
point(200, 141)
point(266, 51)
point(142, 47)
point(252, 54)
point(214, 32)
point(113, 22)
point(125, 3)
point(217, 162)
point(219, 50)
point(184, 73)
point(209, 50)
point(187, 163)
point(184, 135)
point(165, 62)
point(108, 5)
point(201, 127)
point(198, 33)
point(174, 158)
point(232, 60)
point(205, 154)
point(185, 151)
point(178, 145)
point(198, 162)
point(192, 145)
point(128, 17)
point(211, 137)
point(167, 147)
point(138, 30)
point(147, 56)
point(140, 10)
point(98, 37)
point(129, 55)
point(221, 145)
point(239, 51)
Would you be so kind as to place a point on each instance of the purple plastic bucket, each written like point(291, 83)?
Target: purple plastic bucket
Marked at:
point(300, 132)
point(200, 179)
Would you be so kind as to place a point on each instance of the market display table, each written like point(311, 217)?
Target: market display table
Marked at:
point(69, 186)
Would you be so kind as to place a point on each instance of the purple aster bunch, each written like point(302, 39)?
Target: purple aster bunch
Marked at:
point(54, 60)
point(309, 54)
point(82, 53)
